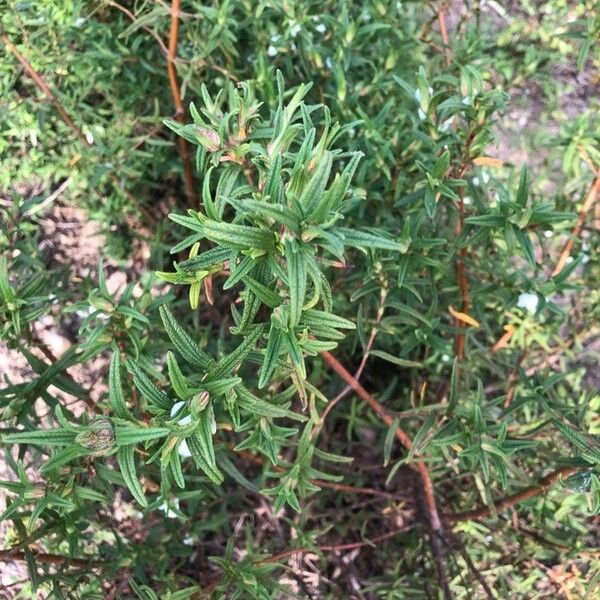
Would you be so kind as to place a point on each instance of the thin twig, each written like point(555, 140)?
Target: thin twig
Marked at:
point(363, 362)
point(42, 85)
point(52, 559)
point(182, 144)
point(41, 345)
point(338, 547)
point(211, 585)
point(45, 88)
point(529, 492)
point(332, 485)
point(587, 205)
point(147, 29)
point(441, 17)
point(437, 530)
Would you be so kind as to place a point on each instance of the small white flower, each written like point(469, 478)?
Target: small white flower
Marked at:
point(170, 514)
point(271, 51)
point(445, 358)
point(175, 409)
point(476, 181)
point(295, 29)
point(79, 22)
point(184, 450)
point(528, 301)
point(447, 124)
point(548, 233)
point(467, 200)
point(329, 63)
point(321, 28)
point(89, 137)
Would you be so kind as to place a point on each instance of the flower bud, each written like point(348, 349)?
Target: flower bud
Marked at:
point(209, 139)
point(37, 491)
point(199, 402)
point(98, 436)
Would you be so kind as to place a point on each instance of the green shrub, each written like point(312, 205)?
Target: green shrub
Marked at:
point(336, 186)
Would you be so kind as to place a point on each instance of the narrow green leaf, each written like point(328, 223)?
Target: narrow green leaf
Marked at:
point(41, 437)
point(143, 383)
point(126, 460)
point(523, 190)
point(239, 237)
point(366, 240)
point(320, 318)
point(232, 360)
point(115, 389)
point(297, 279)
point(183, 342)
point(401, 362)
point(131, 435)
point(178, 381)
point(272, 352)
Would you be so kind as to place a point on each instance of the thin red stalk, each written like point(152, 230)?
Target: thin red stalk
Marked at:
point(437, 530)
point(590, 199)
point(182, 144)
point(332, 485)
point(463, 284)
point(52, 559)
point(529, 492)
point(363, 362)
point(441, 17)
point(45, 88)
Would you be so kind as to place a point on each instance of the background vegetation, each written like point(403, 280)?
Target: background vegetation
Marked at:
point(367, 367)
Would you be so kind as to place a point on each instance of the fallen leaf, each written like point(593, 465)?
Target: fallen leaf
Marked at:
point(503, 341)
point(464, 317)
point(488, 161)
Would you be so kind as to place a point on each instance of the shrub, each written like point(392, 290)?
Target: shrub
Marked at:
point(357, 356)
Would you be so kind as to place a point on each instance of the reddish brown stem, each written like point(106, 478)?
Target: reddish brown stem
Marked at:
point(182, 144)
point(529, 492)
point(441, 17)
point(437, 530)
point(332, 485)
point(590, 199)
point(45, 88)
point(463, 284)
point(51, 559)
point(132, 17)
point(337, 547)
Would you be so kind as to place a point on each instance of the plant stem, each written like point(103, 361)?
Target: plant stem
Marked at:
point(437, 530)
point(51, 559)
point(529, 492)
point(182, 144)
point(590, 199)
point(42, 85)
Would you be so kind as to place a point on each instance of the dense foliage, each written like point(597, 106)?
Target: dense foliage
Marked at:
point(354, 357)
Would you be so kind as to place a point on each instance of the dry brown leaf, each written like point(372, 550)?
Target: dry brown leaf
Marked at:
point(464, 317)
